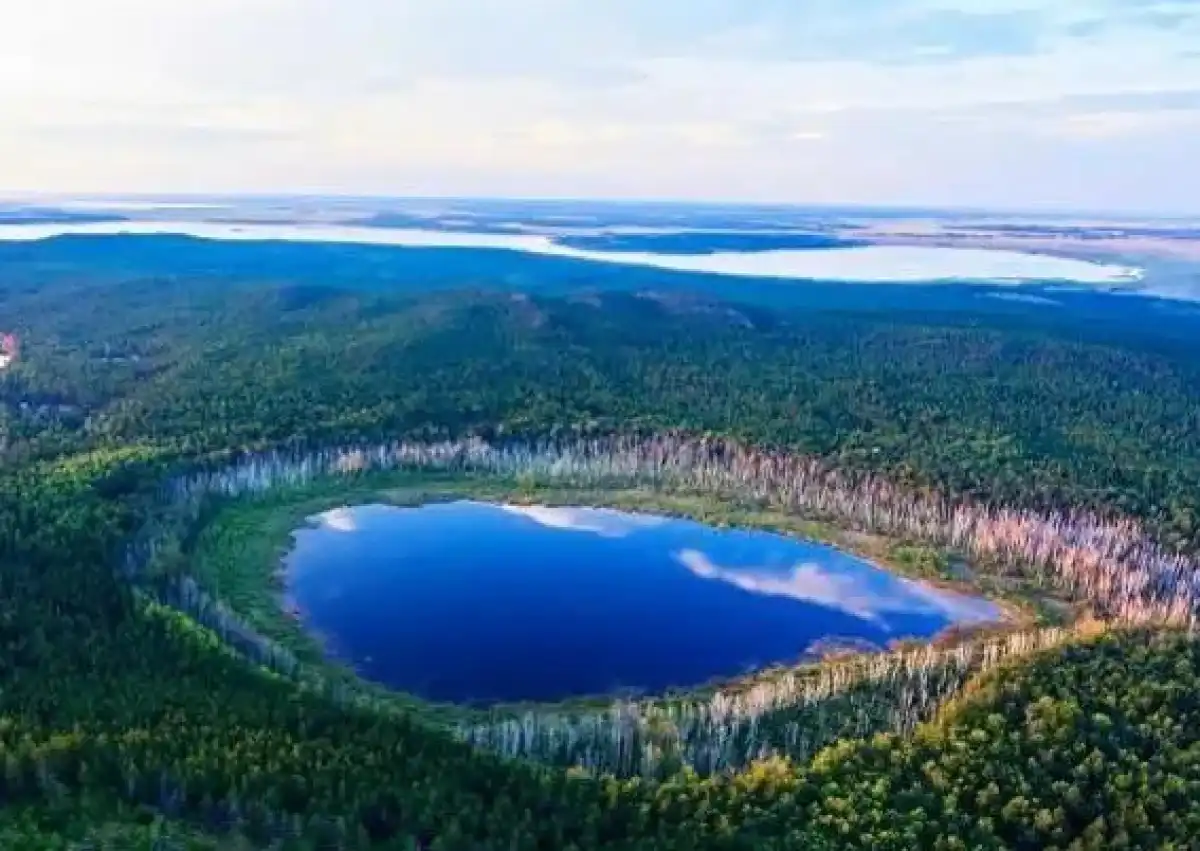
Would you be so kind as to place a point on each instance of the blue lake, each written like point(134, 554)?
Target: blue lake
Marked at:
point(842, 261)
point(467, 601)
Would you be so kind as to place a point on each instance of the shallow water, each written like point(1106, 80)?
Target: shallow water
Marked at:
point(470, 601)
point(872, 263)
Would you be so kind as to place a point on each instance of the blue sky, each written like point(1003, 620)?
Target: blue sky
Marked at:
point(1090, 104)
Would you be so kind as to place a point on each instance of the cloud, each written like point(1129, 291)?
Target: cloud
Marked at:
point(1140, 101)
point(1131, 15)
point(869, 31)
point(683, 98)
point(944, 35)
point(597, 521)
point(859, 594)
point(177, 136)
point(1167, 20)
point(339, 520)
point(1098, 125)
point(1085, 28)
point(1090, 116)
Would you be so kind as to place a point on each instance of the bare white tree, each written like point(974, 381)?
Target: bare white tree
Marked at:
point(1113, 566)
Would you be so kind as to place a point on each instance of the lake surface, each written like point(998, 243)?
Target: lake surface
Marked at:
point(468, 601)
point(870, 263)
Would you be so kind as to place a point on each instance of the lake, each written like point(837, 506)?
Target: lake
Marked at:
point(475, 602)
point(857, 263)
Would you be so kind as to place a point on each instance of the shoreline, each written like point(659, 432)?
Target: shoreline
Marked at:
point(876, 262)
point(263, 541)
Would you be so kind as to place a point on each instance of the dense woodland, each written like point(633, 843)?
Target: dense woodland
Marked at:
point(124, 724)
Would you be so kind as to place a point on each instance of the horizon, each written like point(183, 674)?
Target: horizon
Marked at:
point(116, 200)
point(991, 105)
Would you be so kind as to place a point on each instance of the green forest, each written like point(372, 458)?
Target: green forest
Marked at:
point(126, 724)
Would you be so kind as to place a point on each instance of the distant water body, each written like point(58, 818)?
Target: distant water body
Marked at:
point(470, 601)
point(865, 264)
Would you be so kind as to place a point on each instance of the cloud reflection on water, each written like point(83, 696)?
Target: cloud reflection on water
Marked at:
point(599, 521)
point(837, 582)
point(863, 591)
point(341, 519)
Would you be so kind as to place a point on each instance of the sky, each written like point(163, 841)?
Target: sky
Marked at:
point(1072, 104)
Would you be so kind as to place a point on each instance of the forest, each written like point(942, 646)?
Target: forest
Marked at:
point(129, 720)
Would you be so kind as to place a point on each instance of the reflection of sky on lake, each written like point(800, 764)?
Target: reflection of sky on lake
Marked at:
point(599, 521)
point(871, 263)
point(467, 600)
point(850, 585)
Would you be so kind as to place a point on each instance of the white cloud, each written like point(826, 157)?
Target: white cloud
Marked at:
point(1117, 123)
point(597, 521)
point(339, 520)
point(689, 98)
point(856, 594)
